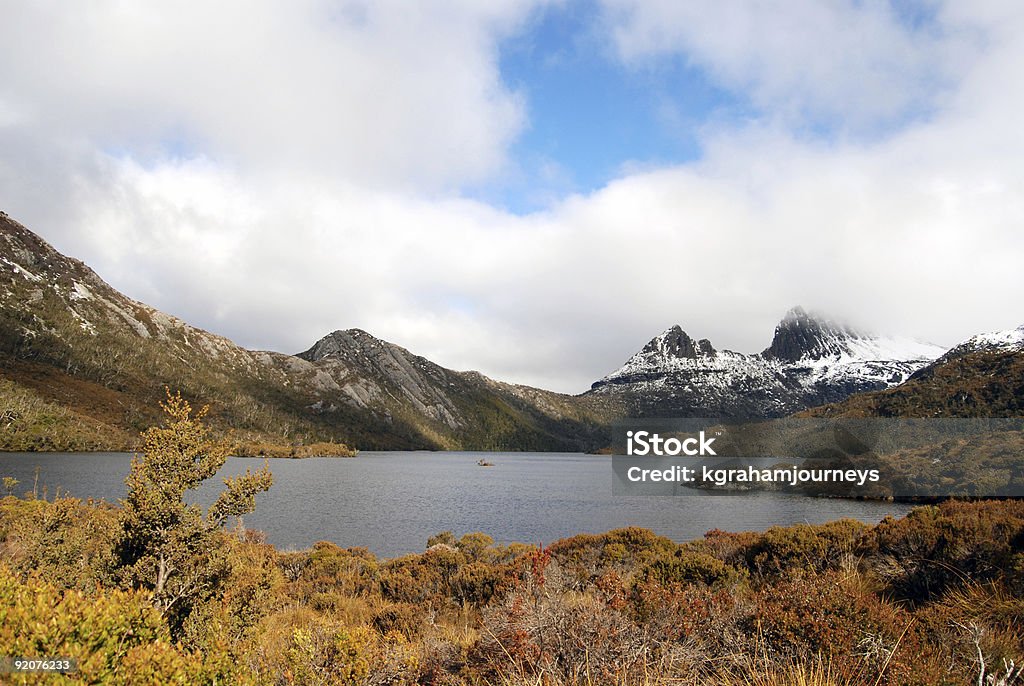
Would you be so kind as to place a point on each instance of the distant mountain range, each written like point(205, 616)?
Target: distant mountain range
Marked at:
point(811, 361)
point(82, 366)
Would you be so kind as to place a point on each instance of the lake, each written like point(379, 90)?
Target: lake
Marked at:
point(391, 502)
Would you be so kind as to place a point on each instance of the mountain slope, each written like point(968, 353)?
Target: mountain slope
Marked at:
point(69, 339)
point(72, 339)
point(461, 408)
point(810, 361)
point(981, 377)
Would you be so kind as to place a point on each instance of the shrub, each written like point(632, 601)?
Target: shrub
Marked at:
point(475, 583)
point(563, 636)
point(338, 656)
point(711, 621)
point(859, 632)
point(937, 548)
point(66, 542)
point(586, 556)
point(475, 546)
point(689, 567)
point(804, 547)
point(400, 618)
point(443, 538)
point(116, 637)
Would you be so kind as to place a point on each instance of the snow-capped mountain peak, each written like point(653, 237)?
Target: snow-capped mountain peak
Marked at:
point(811, 360)
point(675, 343)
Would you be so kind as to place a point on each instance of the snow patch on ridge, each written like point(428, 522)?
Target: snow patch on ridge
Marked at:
point(80, 291)
point(1011, 340)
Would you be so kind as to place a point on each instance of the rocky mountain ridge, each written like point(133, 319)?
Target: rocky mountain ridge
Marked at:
point(72, 342)
point(811, 360)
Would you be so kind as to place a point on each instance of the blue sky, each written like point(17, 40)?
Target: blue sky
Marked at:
point(589, 116)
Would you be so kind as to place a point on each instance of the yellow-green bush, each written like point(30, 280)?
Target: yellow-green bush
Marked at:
point(65, 541)
point(804, 547)
point(115, 637)
point(688, 567)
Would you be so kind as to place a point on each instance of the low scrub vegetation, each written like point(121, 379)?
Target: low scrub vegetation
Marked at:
point(30, 423)
point(271, 449)
point(153, 591)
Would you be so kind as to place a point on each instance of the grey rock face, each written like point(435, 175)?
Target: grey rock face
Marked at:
point(800, 335)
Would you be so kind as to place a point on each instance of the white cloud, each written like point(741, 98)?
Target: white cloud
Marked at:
point(388, 92)
point(805, 60)
point(272, 232)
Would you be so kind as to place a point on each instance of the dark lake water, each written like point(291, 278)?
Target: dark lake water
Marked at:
point(391, 502)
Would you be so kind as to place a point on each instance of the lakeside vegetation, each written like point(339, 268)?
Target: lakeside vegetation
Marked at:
point(157, 591)
point(254, 448)
point(29, 423)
